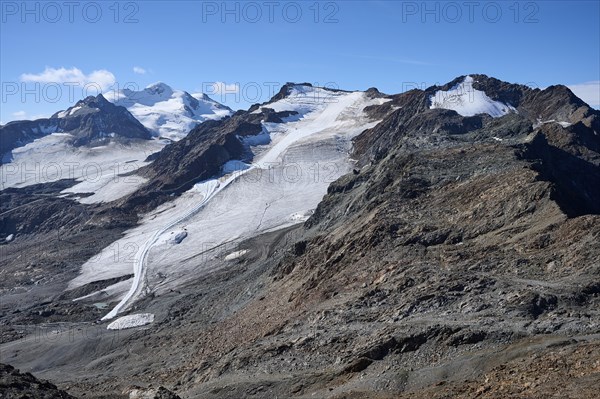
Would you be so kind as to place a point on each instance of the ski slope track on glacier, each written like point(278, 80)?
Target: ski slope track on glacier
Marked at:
point(319, 122)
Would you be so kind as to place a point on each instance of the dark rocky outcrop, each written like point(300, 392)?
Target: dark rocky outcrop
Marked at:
point(16, 385)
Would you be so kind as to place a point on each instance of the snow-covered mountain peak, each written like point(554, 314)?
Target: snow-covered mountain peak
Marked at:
point(468, 101)
point(168, 112)
point(98, 101)
point(86, 105)
point(290, 89)
point(149, 96)
point(159, 88)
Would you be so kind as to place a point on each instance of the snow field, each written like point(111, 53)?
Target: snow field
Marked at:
point(97, 169)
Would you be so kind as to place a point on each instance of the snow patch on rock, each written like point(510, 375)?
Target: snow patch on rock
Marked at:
point(236, 254)
point(130, 321)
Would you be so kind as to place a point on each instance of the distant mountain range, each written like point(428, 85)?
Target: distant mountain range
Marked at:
point(156, 111)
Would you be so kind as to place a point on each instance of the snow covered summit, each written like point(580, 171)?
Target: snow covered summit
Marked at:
point(168, 112)
point(468, 101)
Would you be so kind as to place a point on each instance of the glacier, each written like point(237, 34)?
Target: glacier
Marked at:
point(288, 177)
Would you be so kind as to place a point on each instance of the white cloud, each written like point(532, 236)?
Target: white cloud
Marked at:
point(19, 115)
point(101, 78)
point(222, 88)
point(588, 92)
point(139, 70)
point(22, 115)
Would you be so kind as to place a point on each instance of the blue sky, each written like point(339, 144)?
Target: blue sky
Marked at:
point(254, 47)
